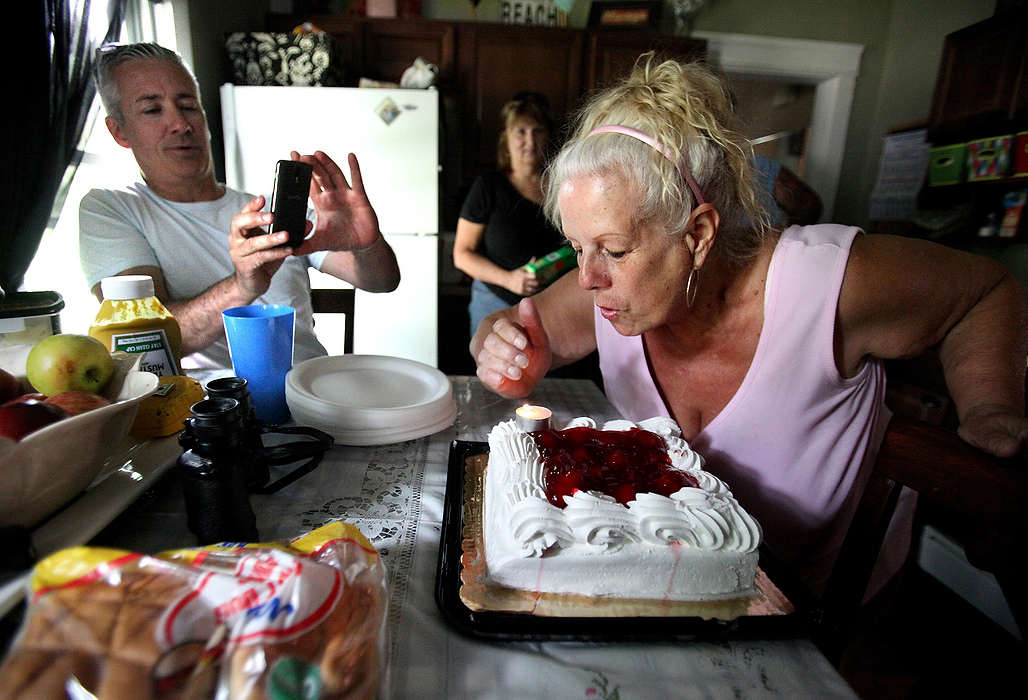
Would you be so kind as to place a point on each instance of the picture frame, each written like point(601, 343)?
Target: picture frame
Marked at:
point(626, 14)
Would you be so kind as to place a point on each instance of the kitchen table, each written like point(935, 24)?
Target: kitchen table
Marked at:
point(395, 494)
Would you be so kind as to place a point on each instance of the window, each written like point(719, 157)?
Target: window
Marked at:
point(104, 164)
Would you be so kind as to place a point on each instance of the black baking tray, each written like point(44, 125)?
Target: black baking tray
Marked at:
point(513, 626)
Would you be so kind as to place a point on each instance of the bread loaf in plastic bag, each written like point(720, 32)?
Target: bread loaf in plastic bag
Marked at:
point(298, 619)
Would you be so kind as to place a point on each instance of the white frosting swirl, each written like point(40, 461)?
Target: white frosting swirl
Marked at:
point(581, 422)
point(621, 425)
point(599, 521)
point(538, 525)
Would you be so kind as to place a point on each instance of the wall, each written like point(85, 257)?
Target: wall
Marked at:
point(902, 43)
point(210, 21)
point(902, 40)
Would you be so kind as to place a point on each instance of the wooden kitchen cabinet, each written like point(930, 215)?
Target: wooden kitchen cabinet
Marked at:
point(611, 54)
point(389, 47)
point(497, 61)
point(981, 84)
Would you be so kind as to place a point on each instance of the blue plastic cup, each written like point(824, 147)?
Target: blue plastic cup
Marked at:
point(260, 341)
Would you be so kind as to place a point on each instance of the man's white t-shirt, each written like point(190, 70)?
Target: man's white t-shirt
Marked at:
point(134, 227)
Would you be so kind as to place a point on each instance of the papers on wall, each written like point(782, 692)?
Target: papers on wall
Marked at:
point(901, 174)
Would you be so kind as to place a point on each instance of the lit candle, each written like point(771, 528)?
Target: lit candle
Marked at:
point(532, 418)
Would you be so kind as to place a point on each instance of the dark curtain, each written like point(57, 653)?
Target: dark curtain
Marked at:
point(46, 113)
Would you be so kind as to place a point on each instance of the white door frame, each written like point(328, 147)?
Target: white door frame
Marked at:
point(829, 65)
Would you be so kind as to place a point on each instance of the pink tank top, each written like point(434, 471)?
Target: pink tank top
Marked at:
point(797, 437)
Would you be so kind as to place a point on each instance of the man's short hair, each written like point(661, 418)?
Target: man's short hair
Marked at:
point(110, 56)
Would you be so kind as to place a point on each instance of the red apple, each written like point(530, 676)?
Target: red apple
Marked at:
point(10, 386)
point(19, 418)
point(76, 402)
point(34, 396)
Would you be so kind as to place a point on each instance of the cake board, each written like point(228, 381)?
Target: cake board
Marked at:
point(477, 607)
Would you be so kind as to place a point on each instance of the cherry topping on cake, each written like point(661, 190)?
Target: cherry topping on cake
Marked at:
point(619, 463)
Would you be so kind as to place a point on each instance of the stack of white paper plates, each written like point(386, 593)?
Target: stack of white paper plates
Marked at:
point(370, 399)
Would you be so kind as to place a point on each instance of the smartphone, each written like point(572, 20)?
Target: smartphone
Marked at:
point(289, 200)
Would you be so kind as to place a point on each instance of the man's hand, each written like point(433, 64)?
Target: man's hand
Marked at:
point(513, 357)
point(255, 253)
point(346, 221)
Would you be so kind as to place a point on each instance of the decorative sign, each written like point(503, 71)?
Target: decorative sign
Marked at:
point(533, 13)
point(631, 14)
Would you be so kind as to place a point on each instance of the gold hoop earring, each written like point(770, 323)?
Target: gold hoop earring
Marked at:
point(690, 289)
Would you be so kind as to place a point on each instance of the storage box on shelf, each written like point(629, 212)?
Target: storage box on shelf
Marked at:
point(989, 158)
point(946, 164)
point(1020, 156)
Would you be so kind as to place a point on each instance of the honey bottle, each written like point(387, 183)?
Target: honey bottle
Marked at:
point(131, 319)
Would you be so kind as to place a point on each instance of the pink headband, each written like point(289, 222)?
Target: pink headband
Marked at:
point(682, 167)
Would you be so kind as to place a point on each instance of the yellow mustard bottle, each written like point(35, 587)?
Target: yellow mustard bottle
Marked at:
point(131, 319)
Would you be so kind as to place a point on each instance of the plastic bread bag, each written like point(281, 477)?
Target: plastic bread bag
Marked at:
point(303, 619)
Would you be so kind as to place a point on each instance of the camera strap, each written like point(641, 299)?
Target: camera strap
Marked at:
point(312, 450)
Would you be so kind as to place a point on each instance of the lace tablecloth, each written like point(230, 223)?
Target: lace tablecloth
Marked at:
point(395, 494)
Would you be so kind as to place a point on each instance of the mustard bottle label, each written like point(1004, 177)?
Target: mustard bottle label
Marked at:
point(153, 345)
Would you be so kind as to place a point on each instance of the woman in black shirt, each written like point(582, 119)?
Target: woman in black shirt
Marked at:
point(502, 226)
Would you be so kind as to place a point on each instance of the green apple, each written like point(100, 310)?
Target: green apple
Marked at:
point(69, 362)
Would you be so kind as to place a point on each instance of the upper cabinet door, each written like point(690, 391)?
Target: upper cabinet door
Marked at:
point(612, 53)
point(980, 76)
point(389, 47)
point(496, 62)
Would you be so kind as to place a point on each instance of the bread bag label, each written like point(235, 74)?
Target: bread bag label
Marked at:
point(263, 600)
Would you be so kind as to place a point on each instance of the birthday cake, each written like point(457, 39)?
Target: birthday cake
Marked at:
point(625, 511)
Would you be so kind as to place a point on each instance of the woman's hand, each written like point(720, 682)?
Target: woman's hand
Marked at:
point(513, 350)
point(997, 429)
point(522, 282)
point(468, 258)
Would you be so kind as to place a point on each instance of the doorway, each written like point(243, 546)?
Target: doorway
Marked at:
point(775, 117)
point(830, 67)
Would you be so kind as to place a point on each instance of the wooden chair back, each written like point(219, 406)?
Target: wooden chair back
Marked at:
point(336, 301)
point(990, 494)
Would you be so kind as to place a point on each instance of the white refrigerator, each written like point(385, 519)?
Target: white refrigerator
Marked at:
point(395, 135)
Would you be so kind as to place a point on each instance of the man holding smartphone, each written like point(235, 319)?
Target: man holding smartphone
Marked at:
point(205, 245)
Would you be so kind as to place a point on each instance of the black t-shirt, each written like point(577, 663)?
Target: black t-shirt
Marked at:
point(515, 228)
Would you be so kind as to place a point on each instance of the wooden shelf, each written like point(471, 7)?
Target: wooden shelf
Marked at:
point(1011, 183)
